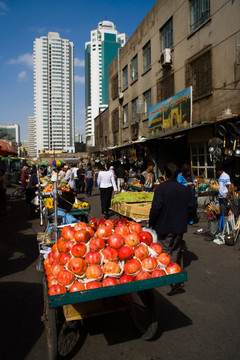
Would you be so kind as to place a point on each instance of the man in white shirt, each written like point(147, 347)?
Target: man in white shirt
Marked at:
point(69, 177)
point(224, 183)
point(106, 183)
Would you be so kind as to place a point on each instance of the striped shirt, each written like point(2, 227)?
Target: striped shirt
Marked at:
point(223, 181)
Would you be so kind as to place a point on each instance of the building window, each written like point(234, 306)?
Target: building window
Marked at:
point(125, 77)
point(201, 164)
point(125, 115)
point(200, 12)
point(115, 121)
point(134, 111)
point(166, 35)
point(147, 100)
point(147, 57)
point(165, 87)
point(114, 87)
point(134, 68)
point(199, 74)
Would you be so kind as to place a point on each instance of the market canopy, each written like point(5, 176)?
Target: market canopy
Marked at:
point(7, 149)
point(56, 162)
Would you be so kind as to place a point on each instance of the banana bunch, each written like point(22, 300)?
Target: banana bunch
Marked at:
point(80, 205)
point(49, 203)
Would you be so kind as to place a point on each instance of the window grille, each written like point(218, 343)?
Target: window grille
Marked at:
point(165, 87)
point(200, 12)
point(199, 75)
point(147, 57)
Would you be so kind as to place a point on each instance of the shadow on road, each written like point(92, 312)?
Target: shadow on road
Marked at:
point(20, 313)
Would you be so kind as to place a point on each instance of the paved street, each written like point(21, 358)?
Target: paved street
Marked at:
point(201, 323)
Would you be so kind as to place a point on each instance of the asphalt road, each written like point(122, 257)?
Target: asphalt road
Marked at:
point(200, 323)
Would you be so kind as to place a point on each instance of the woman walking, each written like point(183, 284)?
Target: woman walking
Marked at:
point(106, 183)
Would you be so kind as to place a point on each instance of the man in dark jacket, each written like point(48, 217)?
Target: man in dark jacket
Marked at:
point(172, 207)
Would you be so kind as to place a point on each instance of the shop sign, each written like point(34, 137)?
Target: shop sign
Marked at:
point(172, 114)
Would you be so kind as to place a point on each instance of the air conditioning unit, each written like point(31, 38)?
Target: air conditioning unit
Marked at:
point(166, 58)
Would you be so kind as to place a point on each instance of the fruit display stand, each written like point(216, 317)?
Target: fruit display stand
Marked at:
point(65, 313)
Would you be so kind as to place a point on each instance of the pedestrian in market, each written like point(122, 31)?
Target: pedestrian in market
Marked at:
point(31, 191)
point(69, 177)
point(147, 178)
point(89, 179)
point(61, 173)
point(120, 174)
point(81, 179)
point(65, 204)
point(24, 177)
point(224, 187)
point(173, 204)
point(106, 184)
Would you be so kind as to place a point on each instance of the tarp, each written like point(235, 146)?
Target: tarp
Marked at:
point(7, 149)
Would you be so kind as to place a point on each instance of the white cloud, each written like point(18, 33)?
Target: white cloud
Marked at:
point(3, 8)
point(79, 79)
point(79, 63)
point(26, 59)
point(22, 76)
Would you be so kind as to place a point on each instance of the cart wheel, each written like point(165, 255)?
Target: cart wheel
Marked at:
point(70, 339)
point(143, 313)
point(50, 321)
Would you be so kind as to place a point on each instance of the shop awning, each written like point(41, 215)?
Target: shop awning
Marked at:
point(7, 149)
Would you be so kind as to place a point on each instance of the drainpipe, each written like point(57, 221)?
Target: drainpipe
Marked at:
point(119, 98)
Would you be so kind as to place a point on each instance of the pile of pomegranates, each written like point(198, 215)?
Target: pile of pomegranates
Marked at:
point(104, 253)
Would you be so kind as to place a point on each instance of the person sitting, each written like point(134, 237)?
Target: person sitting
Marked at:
point(65, 204)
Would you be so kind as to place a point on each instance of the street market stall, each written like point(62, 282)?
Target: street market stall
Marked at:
point(88, 272)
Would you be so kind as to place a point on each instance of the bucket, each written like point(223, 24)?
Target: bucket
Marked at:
point(213, 226)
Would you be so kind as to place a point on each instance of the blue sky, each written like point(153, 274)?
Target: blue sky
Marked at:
point(21, 21)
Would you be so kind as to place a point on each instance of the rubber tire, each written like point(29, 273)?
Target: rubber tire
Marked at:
point(145, 319)
point(50, 322)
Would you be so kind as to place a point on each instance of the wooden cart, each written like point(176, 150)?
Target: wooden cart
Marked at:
point(64, 314)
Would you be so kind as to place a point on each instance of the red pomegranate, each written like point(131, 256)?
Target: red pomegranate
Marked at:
point(103, 231)
point(125, 279)
point(65, 277)
point(122, 229)
point(115, 241)
point(135, 227)
point(82, 236)
point(132, 239)
point(109, 253)
point(94, 272)
point(158, 273)
point(142, 275)
point(111, 267)
point(97, 244)
point(77, 265)
point(156, 247)
point(150, 263)
point(68, 232)
point(64, 258)
point(93, 257)
point(132, 266)
point(77, 286)
point(93, 285)
point(125, 253)
point(79, 249)
point(109, 281)
point(173, 268)
point(145, 237)
point(141, 252)
point(164, 259)
point(80, 225)
point(56, 290)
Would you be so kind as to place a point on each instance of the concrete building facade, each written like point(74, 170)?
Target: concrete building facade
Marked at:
point(180, 44)
point(54, 93)
point(99, 52)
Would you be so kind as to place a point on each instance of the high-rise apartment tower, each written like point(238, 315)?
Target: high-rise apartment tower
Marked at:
point(99, 53)
point(54, 93)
